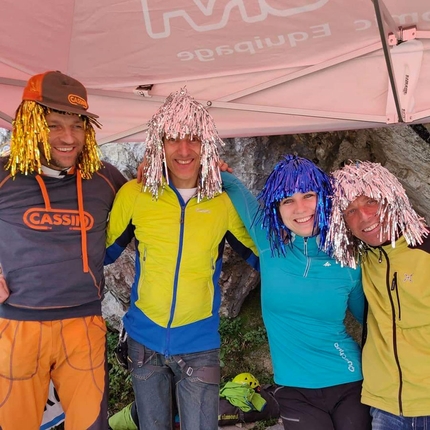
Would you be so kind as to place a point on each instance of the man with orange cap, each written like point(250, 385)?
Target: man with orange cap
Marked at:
point(55, 197)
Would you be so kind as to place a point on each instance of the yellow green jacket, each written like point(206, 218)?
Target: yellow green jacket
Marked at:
point(175, 297)
point(396, 355)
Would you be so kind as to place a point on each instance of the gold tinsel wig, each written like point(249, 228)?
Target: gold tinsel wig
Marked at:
point(45, 93)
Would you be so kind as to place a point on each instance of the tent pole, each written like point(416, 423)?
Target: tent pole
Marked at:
point(6, 117)
point(388, 58)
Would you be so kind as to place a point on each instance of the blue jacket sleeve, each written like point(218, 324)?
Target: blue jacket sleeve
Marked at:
point(243, 251)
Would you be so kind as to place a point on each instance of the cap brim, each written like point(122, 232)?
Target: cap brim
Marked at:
point(68, 109)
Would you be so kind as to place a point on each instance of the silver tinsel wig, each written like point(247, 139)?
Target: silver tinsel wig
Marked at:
point(364, 178)
point(293, 175)
point(182, 116)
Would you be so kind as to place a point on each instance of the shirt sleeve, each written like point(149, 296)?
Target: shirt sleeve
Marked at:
point(246, 206)
point(239, 238)
point(120, 228)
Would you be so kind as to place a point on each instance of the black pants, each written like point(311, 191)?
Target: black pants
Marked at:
point(332, 408)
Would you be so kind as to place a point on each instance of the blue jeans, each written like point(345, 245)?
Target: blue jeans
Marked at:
point(385, 421)
point(163, 386)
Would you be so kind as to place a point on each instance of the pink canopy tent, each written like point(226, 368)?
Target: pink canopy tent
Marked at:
point(263, 67)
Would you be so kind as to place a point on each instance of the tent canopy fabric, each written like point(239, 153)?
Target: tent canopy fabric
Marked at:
point(262, 67)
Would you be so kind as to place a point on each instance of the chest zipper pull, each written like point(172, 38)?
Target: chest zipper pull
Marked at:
point(394, 281)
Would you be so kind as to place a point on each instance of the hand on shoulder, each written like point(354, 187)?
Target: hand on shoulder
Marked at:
point(224, 167)
point(4, 290)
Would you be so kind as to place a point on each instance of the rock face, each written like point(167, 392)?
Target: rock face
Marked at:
point(398, 148)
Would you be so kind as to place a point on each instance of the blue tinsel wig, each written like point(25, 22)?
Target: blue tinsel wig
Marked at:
point(294, 175)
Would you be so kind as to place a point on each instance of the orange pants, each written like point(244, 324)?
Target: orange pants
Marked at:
point(71, 352)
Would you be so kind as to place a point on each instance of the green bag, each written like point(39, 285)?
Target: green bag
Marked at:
point(243, 396)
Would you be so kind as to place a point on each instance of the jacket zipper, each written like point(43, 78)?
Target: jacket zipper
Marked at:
point(394, 287)
point(308, 260)
point(178, 264)
point(390, 287)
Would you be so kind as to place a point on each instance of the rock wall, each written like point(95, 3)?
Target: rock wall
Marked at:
point(398, 148)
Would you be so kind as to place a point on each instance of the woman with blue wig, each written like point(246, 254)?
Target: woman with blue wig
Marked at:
point(304, 296)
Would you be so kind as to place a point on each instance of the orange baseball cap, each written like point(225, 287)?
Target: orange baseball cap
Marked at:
point(58, 91)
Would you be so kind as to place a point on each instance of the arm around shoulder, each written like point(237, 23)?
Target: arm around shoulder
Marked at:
point(356, 297)
point(4, 290)
point(120, 229)
point(243, 200)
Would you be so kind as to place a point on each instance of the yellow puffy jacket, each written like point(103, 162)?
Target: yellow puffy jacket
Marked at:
point(175, 297)
point(396, 355)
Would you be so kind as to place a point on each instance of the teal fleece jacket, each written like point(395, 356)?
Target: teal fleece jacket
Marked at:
point(304, 298)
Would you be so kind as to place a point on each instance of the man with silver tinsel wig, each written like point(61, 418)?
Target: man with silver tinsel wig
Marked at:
point(180, 218)
point(374, 224)
point(179, 118)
